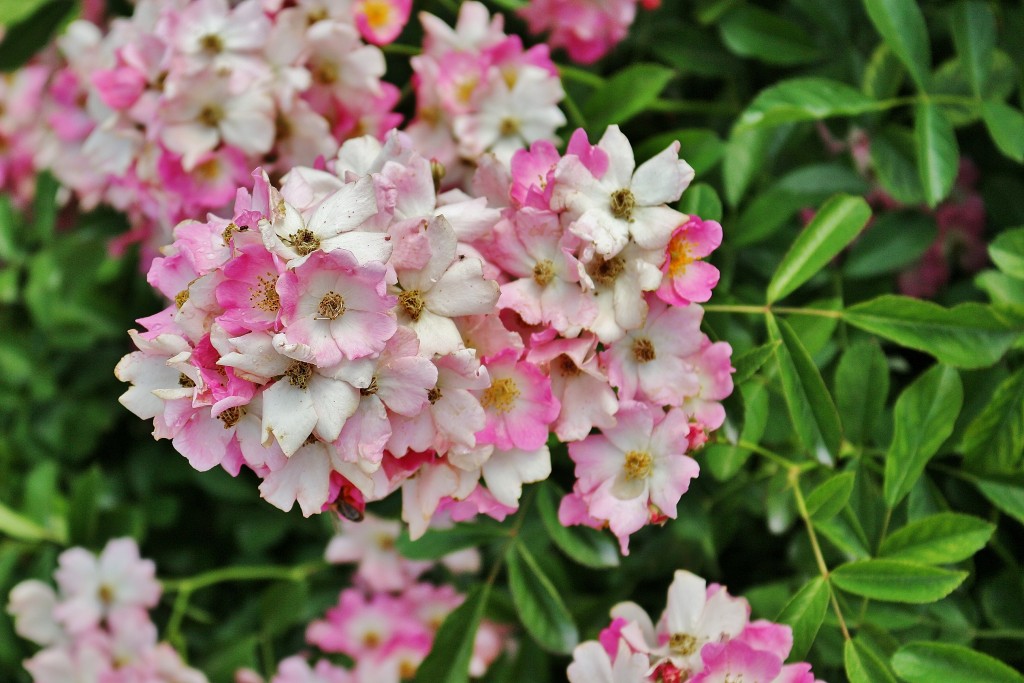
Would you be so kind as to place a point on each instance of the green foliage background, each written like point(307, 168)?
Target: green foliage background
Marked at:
point(867, 488)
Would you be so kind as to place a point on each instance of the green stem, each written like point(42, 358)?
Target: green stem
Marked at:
point(399, 49)
point(575, 115)
point(250, 573)
point(819, 558)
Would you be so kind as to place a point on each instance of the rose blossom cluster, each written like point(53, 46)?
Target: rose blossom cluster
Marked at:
point(478, 90)
point(704, 635)
point(21, 96)
point(387, 636)
point(353, 333)
point(96, 625)
point(586, 29)
point(166, 112)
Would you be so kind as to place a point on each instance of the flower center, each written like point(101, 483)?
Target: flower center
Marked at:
point(181, 297)
point(508, 127)
point(231, 416)
point(371, 639)
point(264, 294)
point(385, 541)
point(211, 115)
point(185, 381)
point(567, 366)
point(325, 73)
point(378, 13)
point(622, 204)
point(544, 272)
point(316, 14)
point(679, 255)
point(434, 395)
point(604, 272)
point(370, 389)
point(643, 350)
point(682, 644)
point(464, 90)
point(501, 395)
point(106, 594)
point(638, 464)
point(331, 307)
point(304, 242)
point(211, 44)
point(208, 171)
point(437, 172)
point(299, 373)
point(412, 301)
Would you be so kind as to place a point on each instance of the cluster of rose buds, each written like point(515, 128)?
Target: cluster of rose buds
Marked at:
point(96, 626)
point(355, 332)
point(164, 114)
point(586, 29)
point(704, 635)
point(478, 90)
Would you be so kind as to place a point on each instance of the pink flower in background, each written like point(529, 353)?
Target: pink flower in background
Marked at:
point(587, 29)
point(380, 21)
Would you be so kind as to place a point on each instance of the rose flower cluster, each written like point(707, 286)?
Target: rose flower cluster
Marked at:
point(354, 332)
point(704, 636)
point(167, 111)
point(96, 626)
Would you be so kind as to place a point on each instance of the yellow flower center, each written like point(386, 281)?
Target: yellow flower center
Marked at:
point(501, 395)
point(638, 464)
point(264, 294)
point(412, 301)
point(331, 307)
point(378, 13)
point(622, 203)
point(643, 350)
point(304, 242)
point(544, 272)
point(299, 374)
point(231, 416)
point(682, 644)
point(680, 255)
point(604, 272)
point(211, 115)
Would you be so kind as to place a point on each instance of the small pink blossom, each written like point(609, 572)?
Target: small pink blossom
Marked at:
point(686, 278)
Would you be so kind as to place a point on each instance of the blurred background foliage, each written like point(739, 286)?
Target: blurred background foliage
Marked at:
point(847, 448)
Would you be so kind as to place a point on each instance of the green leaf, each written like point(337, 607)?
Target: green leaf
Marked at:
point(833, 227)
point(448, 661)
point(863, 665)
point(930, 662)
point(749, 362)
point(700, 199)
point(745, 154)
point(800, 412)
point(974, 34)
point(44, 208)
point(970, 335)
point(10, 232)
point(902, 26)
point(700, 147)
point(942, 538)
point(437, 543)
point(84, 507)
point(804, 613)
point(582, 544)
point(1006, 126)
point(804, 99)
point(924, 417)
point(896, 581)
point(822, 407)
point(1008, 497)
point(829, 497)
point(22, 528)
point(862, 386)
point(893, 156)
point(28, 36)
point(883, 74)
point(937, 154)
point(750, 31)
point(994, 440)
point(895, 241)
point(626, 94)
point(538, 603)
point(1005, 292)
point(725, 458)
point(1007, 252)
